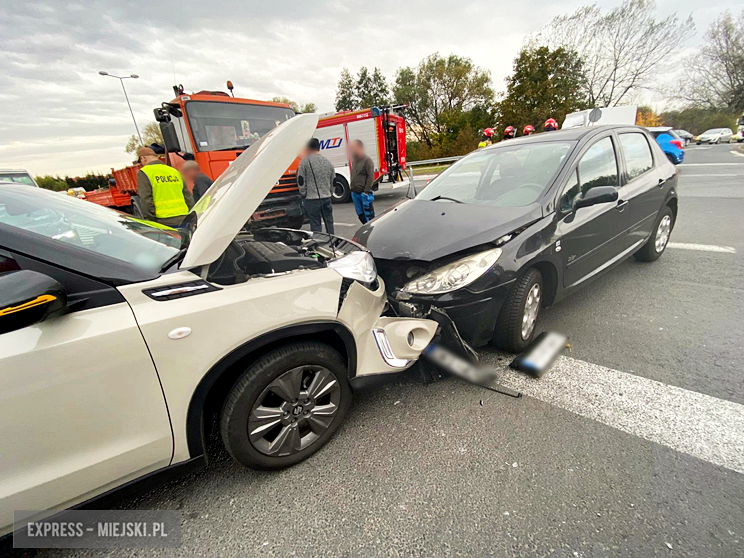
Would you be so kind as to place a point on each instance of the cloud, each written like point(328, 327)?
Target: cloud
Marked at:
point(59, 116)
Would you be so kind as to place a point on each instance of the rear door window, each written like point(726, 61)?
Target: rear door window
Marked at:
point(637, 152)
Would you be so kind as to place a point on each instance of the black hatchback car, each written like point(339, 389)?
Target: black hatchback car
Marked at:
point(517, 226)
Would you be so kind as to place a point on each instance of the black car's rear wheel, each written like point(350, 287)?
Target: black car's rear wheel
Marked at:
point(515, 326)
point(657, 242)
point(286, 406)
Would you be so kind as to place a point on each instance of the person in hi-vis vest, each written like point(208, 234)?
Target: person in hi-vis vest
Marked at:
point(165, 198)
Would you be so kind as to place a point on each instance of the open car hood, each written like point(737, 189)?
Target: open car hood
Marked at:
point(229, 203)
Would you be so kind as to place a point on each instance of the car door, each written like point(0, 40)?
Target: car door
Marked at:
point(591, 237)
point(646, 179)
point(81, 406)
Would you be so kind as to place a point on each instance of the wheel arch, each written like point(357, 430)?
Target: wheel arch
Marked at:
point(214, 386)
point(550, 278)
point(673, 204)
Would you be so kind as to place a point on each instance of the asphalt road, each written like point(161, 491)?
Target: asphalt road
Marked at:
point(632, 446)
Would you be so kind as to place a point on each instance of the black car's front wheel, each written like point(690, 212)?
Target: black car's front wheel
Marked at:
point(657, 242)
point(515, 326)
point(286, 406)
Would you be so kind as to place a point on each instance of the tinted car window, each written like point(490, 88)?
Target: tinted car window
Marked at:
point(638, 158)
point(598, 166)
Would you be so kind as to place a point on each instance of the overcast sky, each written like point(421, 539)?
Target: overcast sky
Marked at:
point(58, 116)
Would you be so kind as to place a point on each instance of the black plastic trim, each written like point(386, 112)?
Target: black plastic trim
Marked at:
point(203, 287)
point(194, 417)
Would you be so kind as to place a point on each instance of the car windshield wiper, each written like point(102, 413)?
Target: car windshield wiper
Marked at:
point(176, 258)
point(234, 148)
point(435, 198)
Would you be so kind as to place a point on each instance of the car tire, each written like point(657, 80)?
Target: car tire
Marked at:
point(657, 243)
point(254, 390)
point(341, 191)
point(697, 143)
point(509, 334)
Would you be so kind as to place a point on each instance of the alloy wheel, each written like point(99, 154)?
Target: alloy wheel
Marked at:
point(531, 308)
point(662, 233)
point(294, 410)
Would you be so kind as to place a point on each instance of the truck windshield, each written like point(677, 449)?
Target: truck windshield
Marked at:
point(221, 126)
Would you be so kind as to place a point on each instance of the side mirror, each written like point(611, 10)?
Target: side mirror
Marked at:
point(170, 138)
point(28, 297)
point(598, 194)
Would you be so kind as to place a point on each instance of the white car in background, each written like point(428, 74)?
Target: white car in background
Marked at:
point(120, 340)
point(18, 175)
point(715, 135)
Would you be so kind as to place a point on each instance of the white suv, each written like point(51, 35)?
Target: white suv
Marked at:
point(119, 338)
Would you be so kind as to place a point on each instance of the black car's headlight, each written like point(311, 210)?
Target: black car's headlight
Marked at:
point(454, 275)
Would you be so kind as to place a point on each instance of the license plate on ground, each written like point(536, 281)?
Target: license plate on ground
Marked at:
point(540, 356)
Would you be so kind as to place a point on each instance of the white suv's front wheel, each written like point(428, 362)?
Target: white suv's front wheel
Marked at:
point(286, 406)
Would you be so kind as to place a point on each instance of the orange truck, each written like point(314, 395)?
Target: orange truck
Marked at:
point(215, 127)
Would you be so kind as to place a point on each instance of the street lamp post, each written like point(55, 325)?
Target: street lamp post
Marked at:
point(121, 79)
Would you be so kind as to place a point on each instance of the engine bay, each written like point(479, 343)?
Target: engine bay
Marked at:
point(274, 251)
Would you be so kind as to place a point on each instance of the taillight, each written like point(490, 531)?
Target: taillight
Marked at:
point(678, 143)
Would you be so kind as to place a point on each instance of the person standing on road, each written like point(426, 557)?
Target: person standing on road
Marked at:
point(362, 179)
point(510, 132)
point(192, 174)
point(315, 177)
point(165, 198)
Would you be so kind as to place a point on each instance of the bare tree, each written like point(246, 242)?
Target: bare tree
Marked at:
point(714, 78)
point(623, 50)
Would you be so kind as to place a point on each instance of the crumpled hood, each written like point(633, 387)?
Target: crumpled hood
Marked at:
point(428, 230)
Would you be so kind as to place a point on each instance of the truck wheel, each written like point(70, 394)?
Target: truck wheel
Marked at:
point(137, 208)
point(341, 190)
point(657, 242)
point(286, 406)
point(515, 326)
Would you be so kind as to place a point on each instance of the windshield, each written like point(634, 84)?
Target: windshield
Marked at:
point(20, 177)
point(511, 176)
point(712, 131)
point(89, 227)
point(223, 126)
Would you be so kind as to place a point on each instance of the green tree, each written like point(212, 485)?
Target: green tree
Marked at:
point(150, 134)
point(299, 109)
point(444, 97)
point(346, 92)
point(371, 90)
point(54, 183)
point(545, 84)
point(714, 78)
point(697, 119)
point(623, 50)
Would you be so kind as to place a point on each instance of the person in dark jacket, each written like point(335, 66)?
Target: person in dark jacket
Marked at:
point(192, 174)
point(315, 177)
point(362, 180)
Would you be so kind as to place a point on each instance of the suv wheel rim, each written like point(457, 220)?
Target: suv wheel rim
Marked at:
point(294, 410)
point(531, 308)
point(662, 233)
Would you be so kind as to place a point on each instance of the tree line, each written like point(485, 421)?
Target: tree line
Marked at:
point(586, 59)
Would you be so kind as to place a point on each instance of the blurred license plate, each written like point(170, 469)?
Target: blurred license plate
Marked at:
point(451, 362)
point(541, 354)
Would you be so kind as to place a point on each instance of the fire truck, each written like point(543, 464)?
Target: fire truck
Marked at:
point(383, 134)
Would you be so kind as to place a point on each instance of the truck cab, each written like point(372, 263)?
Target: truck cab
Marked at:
point(215, 128)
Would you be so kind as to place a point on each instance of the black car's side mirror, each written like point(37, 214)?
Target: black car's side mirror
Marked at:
point(593, 196)
point(28, 297)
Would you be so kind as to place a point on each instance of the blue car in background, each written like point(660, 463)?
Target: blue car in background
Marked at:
point(671, 144)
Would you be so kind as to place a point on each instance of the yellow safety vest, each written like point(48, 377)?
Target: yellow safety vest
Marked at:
point(167, 191)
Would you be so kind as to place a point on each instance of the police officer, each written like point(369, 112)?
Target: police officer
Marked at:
point(165, 198)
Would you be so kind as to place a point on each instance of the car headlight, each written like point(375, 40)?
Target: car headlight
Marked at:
point(357, 265)
point(454, 275)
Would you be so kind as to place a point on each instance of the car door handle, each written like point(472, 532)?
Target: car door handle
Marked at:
point(621, 204)
point(662, 181)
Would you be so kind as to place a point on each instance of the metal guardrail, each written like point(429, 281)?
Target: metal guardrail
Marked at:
point(433, 161)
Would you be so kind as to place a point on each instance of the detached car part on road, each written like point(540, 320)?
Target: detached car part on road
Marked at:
point(120, 338)
point(517, 226)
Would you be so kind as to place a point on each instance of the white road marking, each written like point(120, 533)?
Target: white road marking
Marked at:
point(705, 427)
point(702, 247)
point(708, 175)
point(347, 224)
point(708, 164)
